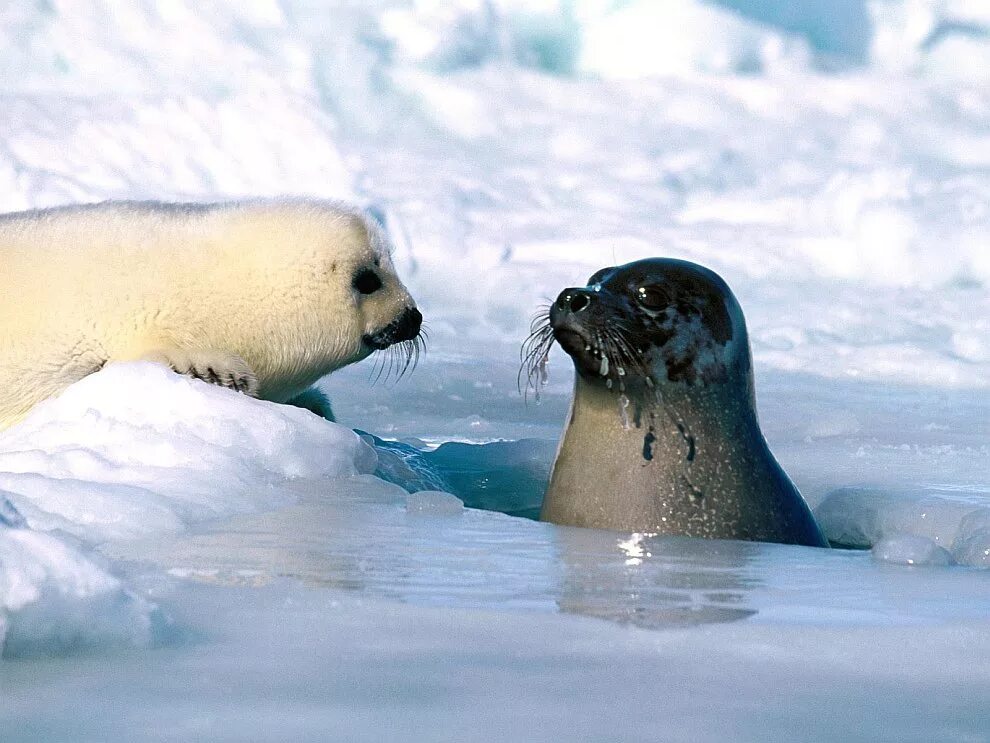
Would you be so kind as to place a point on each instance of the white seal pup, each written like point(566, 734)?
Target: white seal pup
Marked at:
point(264, 297)
point(663, 434)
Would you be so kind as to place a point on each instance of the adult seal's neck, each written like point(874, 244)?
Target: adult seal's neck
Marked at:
point(678, 459)
point(667, 424)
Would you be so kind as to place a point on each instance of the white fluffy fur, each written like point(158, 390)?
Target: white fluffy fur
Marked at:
point(261, 289)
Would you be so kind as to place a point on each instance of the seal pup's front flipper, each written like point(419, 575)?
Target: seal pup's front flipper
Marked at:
point(315, 401)
point(214, 367)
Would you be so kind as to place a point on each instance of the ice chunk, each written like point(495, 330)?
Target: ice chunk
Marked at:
point(505, 476)
point(861, 517)
point(434, 503)
point(54, 600)
point(972, 544)
point(837, 29)
point(974, 550)
point(404, 464)
point(136, 449)
point(908, 549)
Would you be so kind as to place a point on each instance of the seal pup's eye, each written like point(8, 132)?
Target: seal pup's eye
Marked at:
point(367, 281)
point(652, 297)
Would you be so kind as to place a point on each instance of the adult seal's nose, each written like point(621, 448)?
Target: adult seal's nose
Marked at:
point(571, 302)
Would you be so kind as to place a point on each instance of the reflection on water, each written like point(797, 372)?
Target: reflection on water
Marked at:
point(652, 581)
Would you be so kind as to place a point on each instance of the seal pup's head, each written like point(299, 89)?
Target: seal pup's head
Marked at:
point(645, 325)
point(392, 320)
point(372, 297)
point(330, 267)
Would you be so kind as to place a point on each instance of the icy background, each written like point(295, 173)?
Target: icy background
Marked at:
point(180, 562)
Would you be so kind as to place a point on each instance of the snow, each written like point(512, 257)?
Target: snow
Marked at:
point(181, 561)
point(107, 460)
point(53, 599)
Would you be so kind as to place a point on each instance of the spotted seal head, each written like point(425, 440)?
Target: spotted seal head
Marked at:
point(663, 434)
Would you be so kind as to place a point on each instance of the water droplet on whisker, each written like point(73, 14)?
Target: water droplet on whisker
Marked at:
point(624, 411)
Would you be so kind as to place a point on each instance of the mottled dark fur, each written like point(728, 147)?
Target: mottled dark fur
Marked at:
point(670, 310)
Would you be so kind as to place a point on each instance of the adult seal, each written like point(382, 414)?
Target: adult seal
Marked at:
point(663, 434)
point(264, 297)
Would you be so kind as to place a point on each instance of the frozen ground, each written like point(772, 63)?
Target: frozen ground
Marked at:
point(179, 562)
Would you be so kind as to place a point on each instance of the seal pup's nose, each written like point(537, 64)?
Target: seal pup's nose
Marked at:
point(408, 324)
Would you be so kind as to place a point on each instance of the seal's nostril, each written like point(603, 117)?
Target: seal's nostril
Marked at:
point(579, 301)
point(571, 301)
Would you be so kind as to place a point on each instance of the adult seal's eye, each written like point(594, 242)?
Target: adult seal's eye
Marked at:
point(652, 298)
point(367, 281)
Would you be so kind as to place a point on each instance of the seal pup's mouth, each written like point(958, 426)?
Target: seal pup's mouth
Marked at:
point(403, 340)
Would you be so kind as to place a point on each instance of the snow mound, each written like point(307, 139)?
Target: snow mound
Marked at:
point(643, 38)
point(54, 600)
point(136, 450)
point(9, 515)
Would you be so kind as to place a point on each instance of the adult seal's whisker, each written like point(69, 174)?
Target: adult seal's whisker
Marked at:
point(533, 355)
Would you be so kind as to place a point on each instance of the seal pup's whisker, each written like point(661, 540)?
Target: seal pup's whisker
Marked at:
point(393, 351)
point(410, 349)
point(400, 359)
point(377, 369)
point(413, 348)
